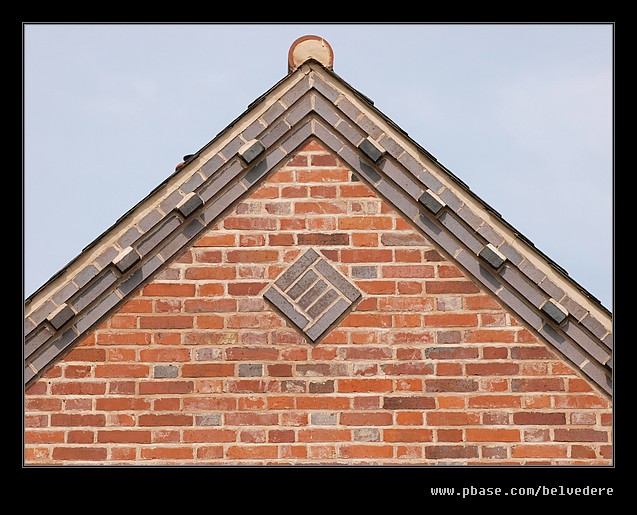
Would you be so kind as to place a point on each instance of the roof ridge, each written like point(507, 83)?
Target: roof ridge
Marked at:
point(313, 107)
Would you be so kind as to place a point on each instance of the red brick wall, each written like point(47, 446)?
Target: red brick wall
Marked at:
point(426, 369)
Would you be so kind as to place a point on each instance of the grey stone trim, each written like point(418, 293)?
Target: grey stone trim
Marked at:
point(371, 149)
point(251, 150)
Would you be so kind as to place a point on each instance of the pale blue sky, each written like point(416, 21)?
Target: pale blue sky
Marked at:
point(522, 113)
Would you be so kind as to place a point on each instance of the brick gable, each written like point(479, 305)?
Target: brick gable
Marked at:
point(427, 368)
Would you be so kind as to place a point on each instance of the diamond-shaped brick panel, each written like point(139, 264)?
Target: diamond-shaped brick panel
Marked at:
point(312, 294)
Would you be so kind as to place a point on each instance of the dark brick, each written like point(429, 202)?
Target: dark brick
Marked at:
point(409, 403)
point(193, 183)
point(323, 239)
point(274, 133)
point(431, 201)
point(85, 275)
point(223, 202)
point(61, 316)
point(534, 418)
point(492, 256)
point(296, 137)
point(90, 293)
point(157, 235)
point(364, 272)
point(324, 323)
point(251, 150)
point(212, 166)
point(371, 149)
point(189, 204)
point(34, 342)
point(439, 452)
point(231, 148)
point(165, 371)
point(250, 369)
point(285, 307)
point(312, 294)
point(337, 280)
point(302, 284)
point(321, 304)
point(528, 290)
point(350, 132)
point(97, 312)
point(296, 269)
point(126, 259)
point(398, 199)
point(554, 311)
point(219, 180)
point(326, 111)
point(460, 231)
point(322, 387)
point(400, 178)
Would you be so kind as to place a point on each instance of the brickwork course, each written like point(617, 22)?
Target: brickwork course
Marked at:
point(313, 287)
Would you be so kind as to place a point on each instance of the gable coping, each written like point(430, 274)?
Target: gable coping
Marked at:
point(309, 103)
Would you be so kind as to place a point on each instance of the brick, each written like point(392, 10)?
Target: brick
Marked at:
point(539, 418)
point(451, 385)
point(445, 452)
point(435, 287)
point(408, 271)
point(246, 289)
point(166, 322)
point(322, 239)
point(365, 451)
point(169, 290)
point(555, 311)
point(362, 418)
point(451, 320)
point(407, 435)
point(492, 435)
point(207, 370)
point(492, 369)
point(537, 385)
point(409, 403)
point(580, 435)
point(80, 453)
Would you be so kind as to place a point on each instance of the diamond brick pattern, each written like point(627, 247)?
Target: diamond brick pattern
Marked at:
point(312, 294)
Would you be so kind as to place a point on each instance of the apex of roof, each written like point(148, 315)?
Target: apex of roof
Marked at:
point(312, 101)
